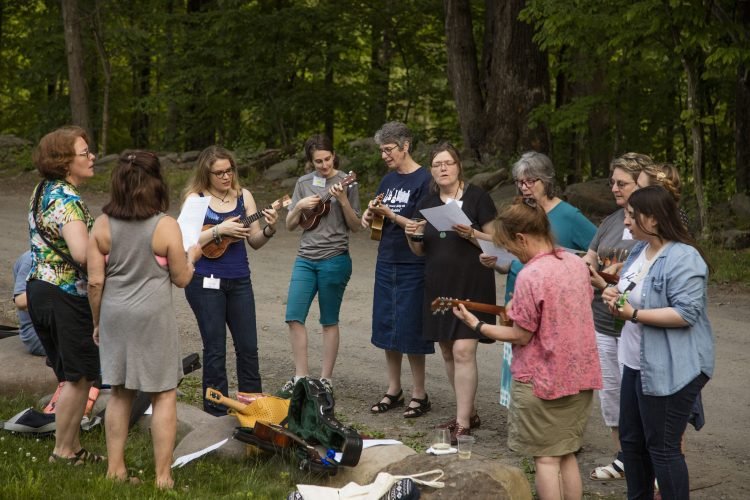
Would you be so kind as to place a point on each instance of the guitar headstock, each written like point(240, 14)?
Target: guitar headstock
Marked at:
point(378, 200)
point(442, 305)
point(213, 395)
point(349, 179)
point(282, 202)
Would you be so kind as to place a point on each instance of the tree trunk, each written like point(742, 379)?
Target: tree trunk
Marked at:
point(107, 70)
point(79, 107)
point(463, 75)
point(517, 81)
point(140, 120)
point(696, 136)
point(380, 62)
point(742, 113)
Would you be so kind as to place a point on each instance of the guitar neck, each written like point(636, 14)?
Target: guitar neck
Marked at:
point(249, 219)
point(480, 307)
point(217, 397)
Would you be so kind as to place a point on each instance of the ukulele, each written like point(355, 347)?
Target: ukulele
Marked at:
point(213, 250)
point(376, 226)
point(310, 218)
point(445, 304)
point(610, 279)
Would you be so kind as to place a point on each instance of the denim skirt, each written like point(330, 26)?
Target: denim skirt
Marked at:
point(397, 309)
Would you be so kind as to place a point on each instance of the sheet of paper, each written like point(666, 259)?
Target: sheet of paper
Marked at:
point(181, 461)
point(504, 257)
point(369, 443)
point(443, 218)
point(191, 219)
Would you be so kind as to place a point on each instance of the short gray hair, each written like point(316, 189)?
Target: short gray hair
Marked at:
point(535, 165)
point(394, 132)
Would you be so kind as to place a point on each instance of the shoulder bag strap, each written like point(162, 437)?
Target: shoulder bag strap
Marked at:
point(39, 229)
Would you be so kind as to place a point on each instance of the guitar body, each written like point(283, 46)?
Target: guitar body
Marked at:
point(309, 219)
point(376, 227)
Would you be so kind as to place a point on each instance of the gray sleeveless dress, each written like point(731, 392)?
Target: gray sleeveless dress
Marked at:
point(138, 340)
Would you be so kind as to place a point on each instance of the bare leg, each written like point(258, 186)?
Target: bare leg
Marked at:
point(466, 376)
point(446, 349)
point(163, 434)
point(68, 413)
point(298, 339)
point(417, 364)
point(548, 480)
point(571, 477)
point(393, 364)
point(116, 420)
point(330, 350)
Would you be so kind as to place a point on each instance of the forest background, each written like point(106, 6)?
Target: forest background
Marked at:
point(582, 80)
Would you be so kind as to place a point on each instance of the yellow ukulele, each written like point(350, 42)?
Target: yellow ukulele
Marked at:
point(376, 227)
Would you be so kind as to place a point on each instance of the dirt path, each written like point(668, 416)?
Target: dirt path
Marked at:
point(718, 455)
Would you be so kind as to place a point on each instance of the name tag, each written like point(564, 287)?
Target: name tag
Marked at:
point(212, 282)
point(319, 181)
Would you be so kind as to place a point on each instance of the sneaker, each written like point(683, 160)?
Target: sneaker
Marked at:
point(286, 390)
point(327, 384)
point(31, 421)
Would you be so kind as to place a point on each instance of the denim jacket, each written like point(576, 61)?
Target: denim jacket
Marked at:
point(672, 357)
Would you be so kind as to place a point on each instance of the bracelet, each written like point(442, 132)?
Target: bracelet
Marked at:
point(267, 235)
point(634, 317)
point(478, 327)
point(215, 234)
point(471, 234)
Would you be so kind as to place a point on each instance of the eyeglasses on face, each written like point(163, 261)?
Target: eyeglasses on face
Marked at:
point(528, 183)
point(446, 163)
point(387, 150)
point(620, 184)
point(223, 173)
point(86, 153)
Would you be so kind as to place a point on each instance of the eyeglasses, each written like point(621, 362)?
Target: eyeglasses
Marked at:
point(224, 173)
point(447, 163)
point(387, 150)
point(620, 184)
point(86, 153)
point(528, 183)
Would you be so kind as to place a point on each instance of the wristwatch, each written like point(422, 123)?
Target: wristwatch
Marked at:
point(634, 317)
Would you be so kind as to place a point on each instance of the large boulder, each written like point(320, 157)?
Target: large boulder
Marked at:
point(281, 170)
point(372, 461)
point(189, 418)
point(734, 239)
point(23, 372)
point(503, 195)
point(211, 432)
point(478, 477)
point(740, 203)
point(488, 180)
point(593, 198)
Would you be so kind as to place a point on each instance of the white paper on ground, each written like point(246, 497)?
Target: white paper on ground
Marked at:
point(444, 217)
point(369, 443)
point(191, 219)
point(449, 451)
point(181, 461)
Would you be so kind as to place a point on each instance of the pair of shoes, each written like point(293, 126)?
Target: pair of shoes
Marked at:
point(81, 458)
point(327, 384)
point(474, 423)
point(459, 430)
point(615, 470)
point(394, 401)
point(418, 411)
point(286, 390)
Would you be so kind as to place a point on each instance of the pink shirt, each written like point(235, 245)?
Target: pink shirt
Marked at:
point(552, 300)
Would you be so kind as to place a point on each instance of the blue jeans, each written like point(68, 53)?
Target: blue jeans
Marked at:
point(651, 429)
point(233, 305)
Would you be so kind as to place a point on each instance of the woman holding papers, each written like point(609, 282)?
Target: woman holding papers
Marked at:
point(453, 270)
point(221, 293)
point(134, 255)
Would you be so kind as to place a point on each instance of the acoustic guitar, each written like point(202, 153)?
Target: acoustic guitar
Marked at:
point(310, 218)
point(376, 226)
point(213, 250)
point(444, 304)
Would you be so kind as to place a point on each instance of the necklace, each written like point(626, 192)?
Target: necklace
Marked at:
point(223, 200)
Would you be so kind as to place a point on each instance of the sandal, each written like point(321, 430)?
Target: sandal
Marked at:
point(615, 470)
point(81, 458)
point(394, 401)
point(418, 411)
point(459, 430)
point(474, 423)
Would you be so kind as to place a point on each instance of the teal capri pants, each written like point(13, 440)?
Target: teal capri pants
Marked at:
point(327, 278)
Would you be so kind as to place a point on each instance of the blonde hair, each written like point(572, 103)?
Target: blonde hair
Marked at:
point(665, 175)
point(201, 179)
point(523, 216)
point(631, 163)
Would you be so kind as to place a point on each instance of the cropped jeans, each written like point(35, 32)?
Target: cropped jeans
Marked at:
point(232, 305)
point(651, 429)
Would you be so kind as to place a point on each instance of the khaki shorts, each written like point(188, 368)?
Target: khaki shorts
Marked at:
point(547, 428)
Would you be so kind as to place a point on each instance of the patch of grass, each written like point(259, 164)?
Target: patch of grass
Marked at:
point(415, 441)
point(190, 390)
point(26, 473)
point(729, 266)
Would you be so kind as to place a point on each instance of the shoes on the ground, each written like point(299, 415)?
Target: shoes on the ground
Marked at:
point(394, 401)
point(418, 411)
point(287, 389)
point(83, 457)
point(327, 384)
point(615, 470)
point(31, 421)
point(459, 430)
point(474, 423)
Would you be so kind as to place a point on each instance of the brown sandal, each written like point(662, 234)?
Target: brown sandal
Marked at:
point(418, 411)
point(394, 401)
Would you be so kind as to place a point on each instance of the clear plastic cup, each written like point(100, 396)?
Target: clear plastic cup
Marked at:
point(465, 443)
